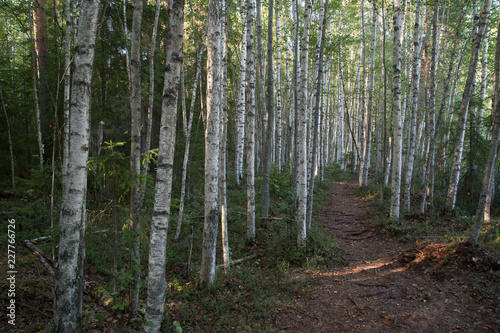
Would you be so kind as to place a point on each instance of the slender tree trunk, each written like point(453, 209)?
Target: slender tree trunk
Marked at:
point(462, 120)
point(432, 105)
point(279, 144)
point(316, 111)
point(67, 91)
point(302, 132)
point(493, 153)
point(11, 150)
point(413, 107)
point(396, 111)
point(362, 123)
point(187, 134)
point(261, 91)
point(223, 147)
point(149, 128)
point(212, 140)
point(42, 59)
point(135, 154)
point(68, 293)
point(270, 113)
point(240, 105)
point(250, 122)
point(371, 95)
point(157, 284)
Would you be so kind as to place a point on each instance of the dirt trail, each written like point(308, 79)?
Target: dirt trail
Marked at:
point(376, 291)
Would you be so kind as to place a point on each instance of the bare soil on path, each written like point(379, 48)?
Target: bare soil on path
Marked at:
point(390, 286)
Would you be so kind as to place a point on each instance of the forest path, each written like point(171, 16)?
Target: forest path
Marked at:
point(375, 291)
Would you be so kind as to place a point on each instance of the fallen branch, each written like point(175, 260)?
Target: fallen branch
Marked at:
point(355, 303)
point(356, 232)
point(44, 259)
point(234, 262)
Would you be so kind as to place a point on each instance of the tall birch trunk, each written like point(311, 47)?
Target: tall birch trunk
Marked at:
point(302, 132)
point(432, 105)
point(157, 284)
point(135, 153)
point(279, 144)
point(413, 107)
point(223, 147)
point(396, 113)
point(68, 293)
point(67, 91)
point(464, 107)
point(363, 130)
point(240, 104)
point(370, 109)
point(493, 153)
point(212, 140)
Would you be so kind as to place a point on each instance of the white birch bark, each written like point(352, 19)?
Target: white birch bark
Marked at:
point(302, 132)
point(432, 105)
point(250, 122)
point(362, 123)
point(68, 292)
point(240, 104)
point(396, 111)
point(493, 153)
point(413, 107)
point(67, 91)
point(462, 120)
point(279, 144)
point(157, 284)
point(212, 140)
point(223, 150)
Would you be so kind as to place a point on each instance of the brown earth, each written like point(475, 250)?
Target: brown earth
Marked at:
point(389, 286)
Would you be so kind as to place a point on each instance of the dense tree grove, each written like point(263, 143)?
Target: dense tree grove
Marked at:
point(148, 106)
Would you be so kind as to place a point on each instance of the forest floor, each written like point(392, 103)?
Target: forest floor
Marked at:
point(388, 285)
point(383, 283)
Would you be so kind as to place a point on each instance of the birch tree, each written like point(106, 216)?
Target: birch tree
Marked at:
point(157, 284)
point(493, 153)
point(302, 131)
point(396, 112)
point(240, 104)
point(464, 107)
point(212, 140)
point(279, 148)
point(413, 106)
point(68, 294)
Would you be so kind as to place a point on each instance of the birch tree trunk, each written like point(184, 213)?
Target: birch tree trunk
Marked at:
point(223, 147)
point(68, 293)
point(279, 144)
point(464, 107)
point(157, 284)
point(432, 105)
point(363, 130)
point(42, 60)
point(370, 109)
point(212, 140)
point(240, 104)
point(413, 107)
point(493, 153)
point(270, 113)
point(250, 123)
point(135, 153)
point(302, 132)
point(396, 113)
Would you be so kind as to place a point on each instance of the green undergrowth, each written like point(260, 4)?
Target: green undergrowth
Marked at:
point(435, 225)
